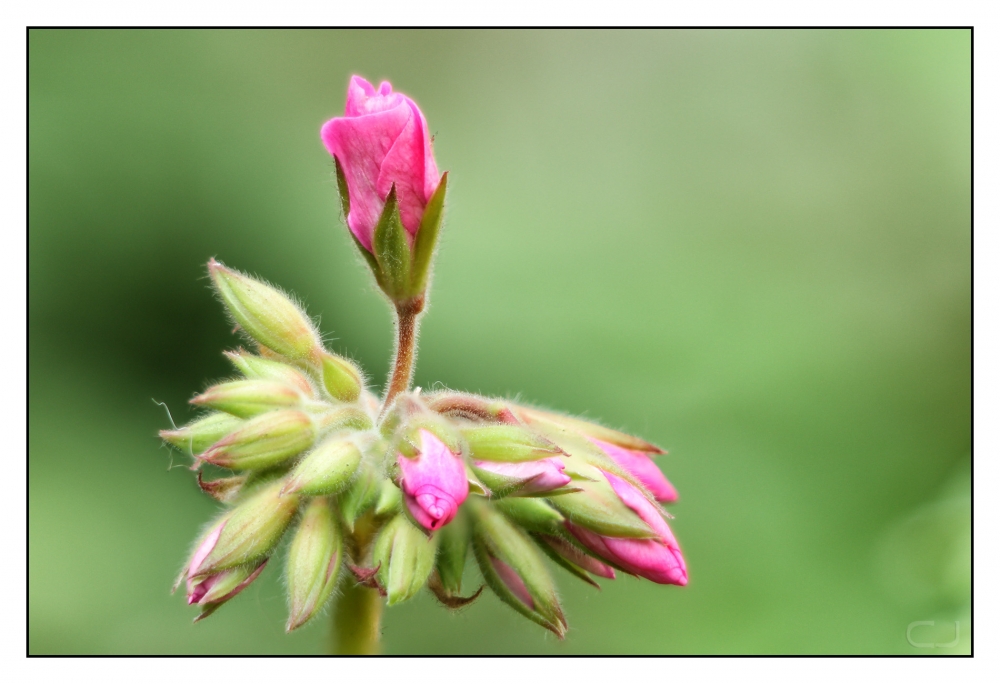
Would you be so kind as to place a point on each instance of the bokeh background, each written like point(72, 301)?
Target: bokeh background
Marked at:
point(751, 247)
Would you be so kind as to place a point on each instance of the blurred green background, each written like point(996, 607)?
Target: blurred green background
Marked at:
point(751, 247)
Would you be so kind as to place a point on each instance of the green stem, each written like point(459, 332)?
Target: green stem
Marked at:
point(357, 620)
point(357, 617)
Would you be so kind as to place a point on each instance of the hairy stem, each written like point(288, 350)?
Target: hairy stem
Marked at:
point(407, 323)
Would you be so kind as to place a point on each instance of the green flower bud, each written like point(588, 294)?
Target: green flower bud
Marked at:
point(264, 441)
point(405, 557)
point(344, 418)
point(259, 368)
point(198, 436)
point(247, 534)
point(341, 378)
point(471, 407)
point(453, 547)
point(508, 443)
point(248, 398)
point(532, 514)
point(534, 417)
point(313, 562)
point(266, 314)
point(514, 570)
point(326, 469)
point(211, 591)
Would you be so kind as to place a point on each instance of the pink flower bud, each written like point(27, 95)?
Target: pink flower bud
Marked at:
point(643, 468)
point(382, 140)
point(659, 560)
point(434, 483)
point(538, 476)
point(513, 582)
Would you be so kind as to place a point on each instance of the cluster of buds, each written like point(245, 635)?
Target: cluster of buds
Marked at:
point(393, 493)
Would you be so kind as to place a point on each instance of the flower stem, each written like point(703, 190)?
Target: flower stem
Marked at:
point(407, 323)
point(357, 617)
point(357, 620)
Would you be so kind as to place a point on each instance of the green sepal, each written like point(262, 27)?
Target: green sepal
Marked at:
point(259, 368)
point(390, 500)
point(426, 239)
point(263, 442)
point(507, 443)
point(248, 398)
point(564, 563)
point(392, 251)
point(532, 514)
point(314, 559)
point(405, 558)
point(453, 547)
point(599, 509)
point(359, 496)
point(341, 378)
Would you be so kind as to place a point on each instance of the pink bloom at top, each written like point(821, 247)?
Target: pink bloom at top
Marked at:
point(382, 140)
point(643, 468)
point(434, 483)
point(659, 560)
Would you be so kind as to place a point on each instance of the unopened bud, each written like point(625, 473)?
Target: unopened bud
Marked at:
point(390, 500)
point(642, 468)
point(196, 437)
point(471, 407)
point(525, 478)
point(248, 398)
point(313, 562)
point(266, 314)
point(596, 507)
point(341, 378)
point(259, 368)
point(264, 441)
point(534, 416)
point(211, 591)
point(326, 469)
point(508, 443)
point(247, 534)
point(344, 418)
point(434, 483)
point(513, 569)
point(405, 558)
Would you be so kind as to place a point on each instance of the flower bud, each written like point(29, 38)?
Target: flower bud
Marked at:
point(642, 468)
point(534, 416)
point(313, 562)
point(211, 591)
point(265, 313)
point(597, 507)
point(264, 441)
point(526, 478)
point(391, 191)
point(508, 443)
point(532, 514)
point(247, 534)
point(389, 501)
point(341, 378)
point(248, 398)
point(202, 433)
point(328, 468)
point(573, 559)
point(471, 407)
point(434, 483)
point(405, 558)
point(658, 559)
point(513, 569)
point(259, 368)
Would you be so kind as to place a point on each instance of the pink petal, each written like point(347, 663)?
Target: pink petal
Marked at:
point(205, 548)
point(543, 475)
point(434, 483)
point(513, 582)
point(643, 468)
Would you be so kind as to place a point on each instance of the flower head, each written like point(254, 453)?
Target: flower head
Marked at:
point(382, 140)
